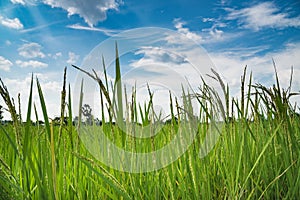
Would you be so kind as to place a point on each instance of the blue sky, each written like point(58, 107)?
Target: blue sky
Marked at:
point(44, 36)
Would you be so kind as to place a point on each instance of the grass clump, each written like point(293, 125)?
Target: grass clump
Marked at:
point(256, 155)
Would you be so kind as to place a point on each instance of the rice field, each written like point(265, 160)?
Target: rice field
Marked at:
point(256, 155)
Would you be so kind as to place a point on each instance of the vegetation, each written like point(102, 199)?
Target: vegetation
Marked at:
point(255, 157)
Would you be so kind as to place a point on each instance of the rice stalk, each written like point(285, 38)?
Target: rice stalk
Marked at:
point(62, 106)
point(105, 176)
point(12, 110)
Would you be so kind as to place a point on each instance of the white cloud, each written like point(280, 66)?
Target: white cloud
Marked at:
point(51, 90)
point(179, 25)
point(90, 10)
point(231, 66)
point(107, 32)
point(216, 33)
point(208, 19)
point(18, 2)
point(159, 55)
point(263, 15)
point(210, 35)
point(11, 23)
point(5, 64)
point(73, 58)
point(31, 50)
point(31, 63)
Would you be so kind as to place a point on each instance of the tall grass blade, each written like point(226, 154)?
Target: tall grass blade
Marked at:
point(28, 121)
point(44, 109)
point(70, 117)
point(62, 106)
point(53, 162)
point(118, 85)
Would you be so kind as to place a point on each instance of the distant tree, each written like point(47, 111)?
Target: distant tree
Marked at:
point(87, 112)
point(57, 120)
point(75, 120)
point(98, 122)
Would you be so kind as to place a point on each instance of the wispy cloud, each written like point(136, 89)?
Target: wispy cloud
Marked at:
point(31, 50)
point(73, 58)
point(107, 32)
point(11, 23)
point(5, 64)
point(243, 52)
point(38, 28)
point(91, 11)
point(57, 55)
point(263, 15)
point(31, 63)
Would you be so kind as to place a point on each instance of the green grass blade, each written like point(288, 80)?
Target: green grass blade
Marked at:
point(260, 155)
point(80, 105)
point(70, 117)
point(107, 178)
point(118, 85)
point(13, 144)
point(53, 162)
point(44, 109)
point(28, 121)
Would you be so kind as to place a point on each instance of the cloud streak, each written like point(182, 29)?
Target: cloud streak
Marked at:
point(263, 15)
point(107, 32)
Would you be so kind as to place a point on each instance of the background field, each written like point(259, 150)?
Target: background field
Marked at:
point(255, 157)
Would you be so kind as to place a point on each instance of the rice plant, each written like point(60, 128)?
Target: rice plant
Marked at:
point(255, 157)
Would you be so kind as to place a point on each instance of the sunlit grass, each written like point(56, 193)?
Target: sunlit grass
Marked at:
point(255, 157)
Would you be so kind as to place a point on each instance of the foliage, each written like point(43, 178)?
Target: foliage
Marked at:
point(87, 112)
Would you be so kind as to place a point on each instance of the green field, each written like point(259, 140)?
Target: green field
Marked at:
point(255, 157)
